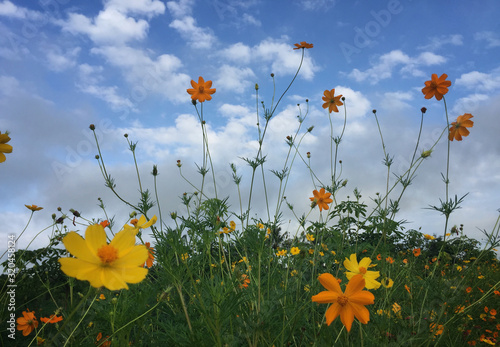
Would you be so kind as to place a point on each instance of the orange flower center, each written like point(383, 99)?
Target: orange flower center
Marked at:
point(134, 221)
point(362, 270)
point(107, 254)
point(342, 300)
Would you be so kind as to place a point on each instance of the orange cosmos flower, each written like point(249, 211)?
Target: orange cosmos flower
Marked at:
point(349, 304)
point(379, 257)
point(459, 128)
point(416, 252)
point(33, 207)
point(27, 322)
point(331, 101)
point(244, 281)
point(52, 319)
point(436, 87)
point(151, 257)
point(321, 198)
point(389, 260)
point(201, 91)
point(303, 44)
point(104, 223)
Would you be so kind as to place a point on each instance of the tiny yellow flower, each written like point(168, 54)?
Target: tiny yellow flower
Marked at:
point(295, 250)
point(310, 237)
point(260, 226)
point(184, 256)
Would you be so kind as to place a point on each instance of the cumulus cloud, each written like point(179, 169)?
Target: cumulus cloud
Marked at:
point(114, 25)
point(59, 60)
point(486, 82)
point(437, 42)
point(8, 9)
point(196, 36)
point(234, 79)
point(148, 74)
point(283, 59)
point(386, 63)
point(491, 38)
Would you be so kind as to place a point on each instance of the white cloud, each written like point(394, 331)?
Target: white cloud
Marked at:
point(480, 81)
point(312, 5)
point(180, 8)
point(492, 38)
point(8, 9)
point(238, 53)
point(385, 64)
point(144, 7)
point(113, 25)
point(148, 75)
point(437, 42)
point(249, 19)
point(196, 36)
point(60, 61)
point(8, 85)
point(234, 79)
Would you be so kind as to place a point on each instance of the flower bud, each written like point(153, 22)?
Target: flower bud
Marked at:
point(97, 156)
point(426, 154)
point(133, 214)
point(256, 86)
point(92, 127)
point(308, 154)
point(272, 74)
point(125, 135)
point(179, 163)
point(423, 109)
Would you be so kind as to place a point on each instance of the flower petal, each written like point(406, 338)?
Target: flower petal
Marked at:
point(332, 312)
point(329, 282)
point(363, 297)
point(356, 284)
point(360, 312)
point(325, 297)
point(123, 241)
point(347, 316)
point(352, 264)
point(76, 245)
point(135, 257)
point(95, 237)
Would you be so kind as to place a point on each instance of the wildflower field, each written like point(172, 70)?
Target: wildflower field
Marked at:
point(220, 276)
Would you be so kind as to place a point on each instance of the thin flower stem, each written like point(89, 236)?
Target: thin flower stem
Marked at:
point(447, 180)
point(132, 148)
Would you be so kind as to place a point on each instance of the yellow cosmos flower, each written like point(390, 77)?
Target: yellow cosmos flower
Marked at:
point(387, 282)
point(4, 147)
point(295, 250)
point(429, 237)
point(139, 224)
point(33, 208)
point(310, 237)
point(355, 268)
point(110, 265)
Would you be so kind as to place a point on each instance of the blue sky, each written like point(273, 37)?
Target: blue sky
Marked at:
point(125, 65)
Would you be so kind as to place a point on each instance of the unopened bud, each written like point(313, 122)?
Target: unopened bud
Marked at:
point(179, 164)
point(423, 109)
point(426, 154)
point(308, 154)
point(133, 214)
point(125, 135)
point(97, 156)
point(256, 86)
point(92, 127)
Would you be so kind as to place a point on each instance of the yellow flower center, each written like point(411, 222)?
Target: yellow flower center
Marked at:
point(342, 300)
point(134, 222)
point(362, 270)
point(107, 254)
